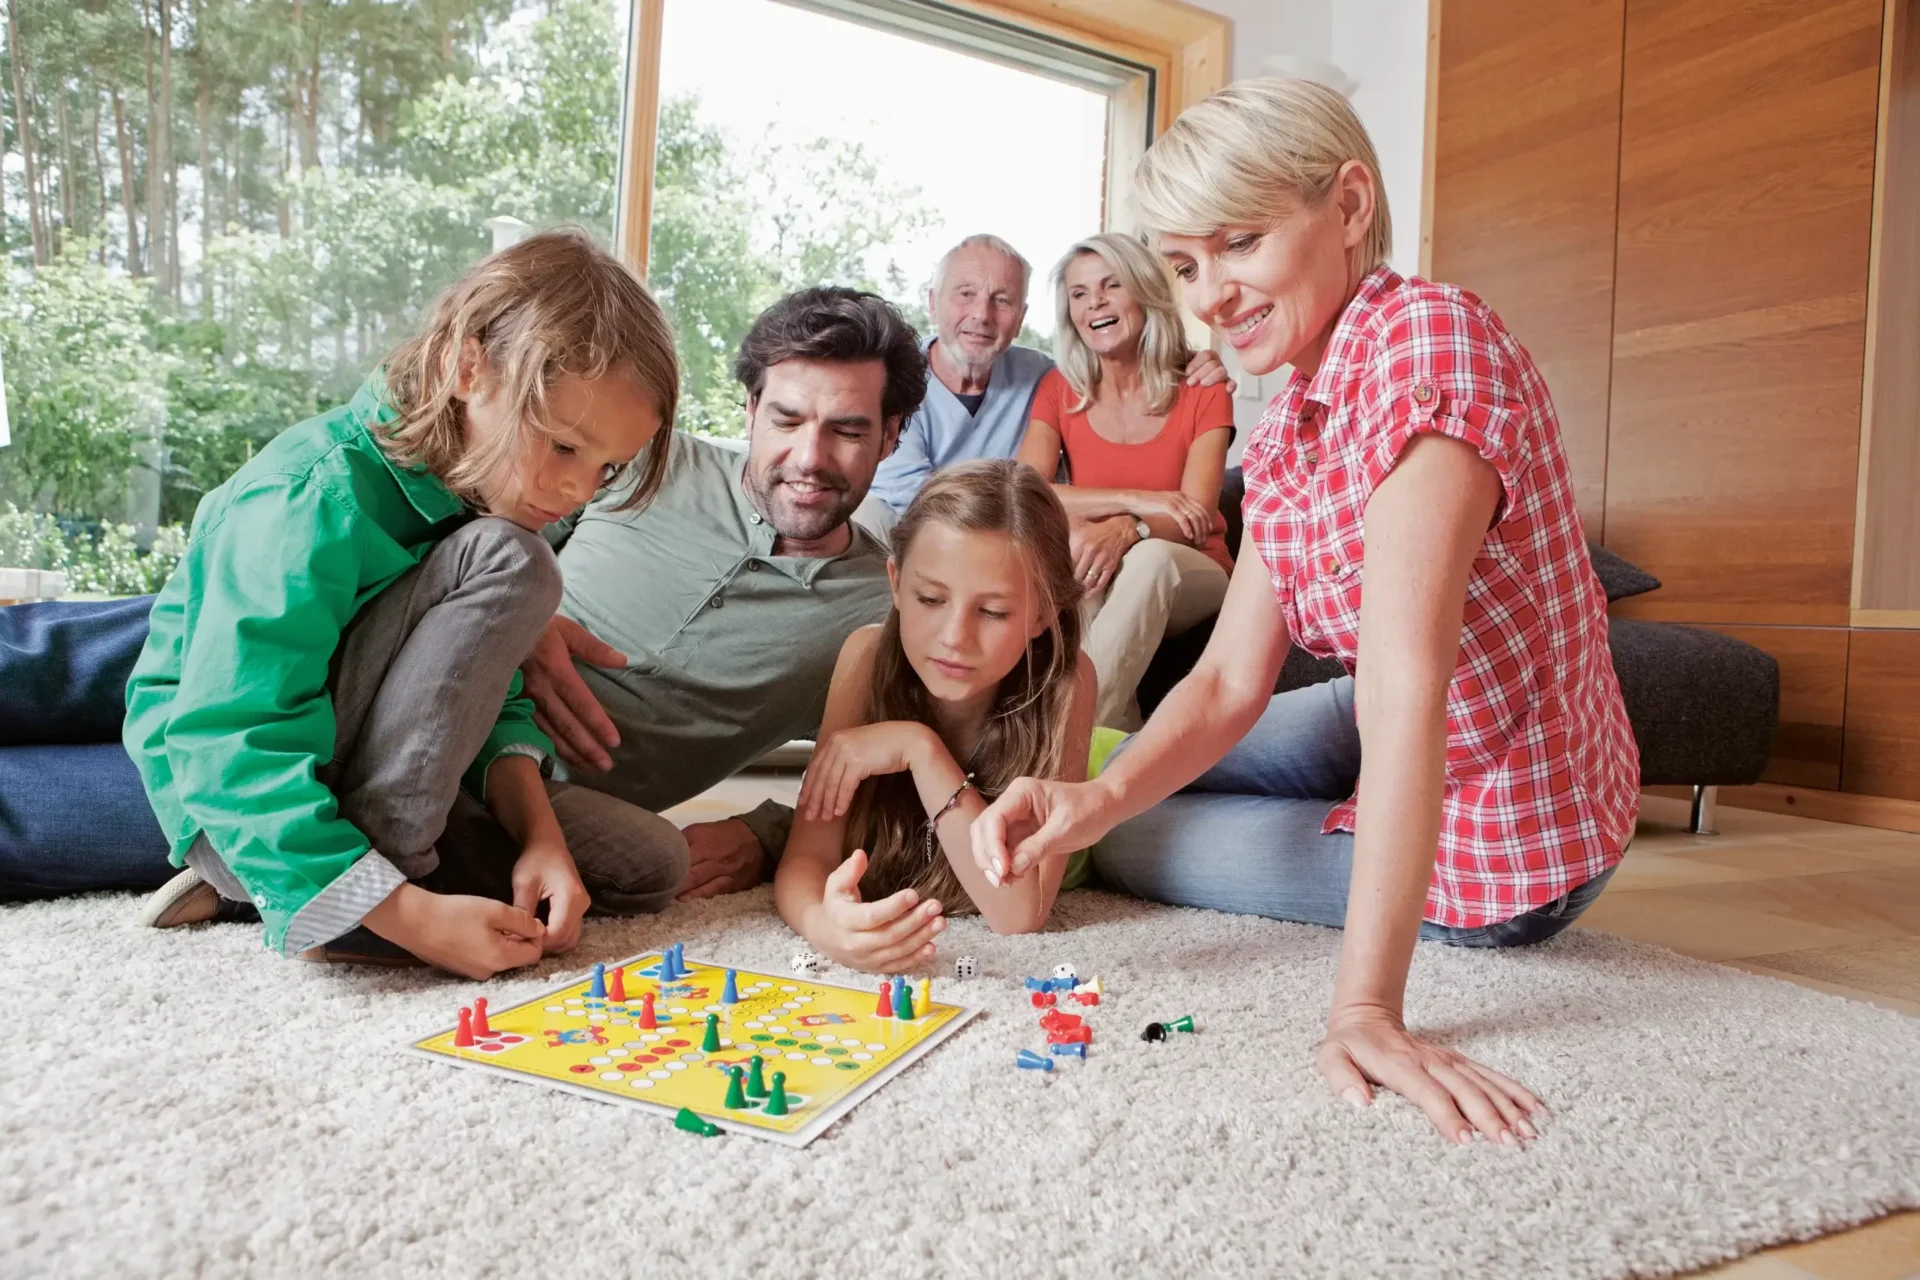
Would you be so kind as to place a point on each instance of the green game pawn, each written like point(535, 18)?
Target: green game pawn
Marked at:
point(756, 1079)
point(777, 1104)
point(690, 1121)
point(903, 1000)
point(736, 1091)
point(712, 1043)
point(1181, 1024)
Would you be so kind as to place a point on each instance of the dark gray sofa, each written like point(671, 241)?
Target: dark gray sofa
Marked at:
point(1704, 707)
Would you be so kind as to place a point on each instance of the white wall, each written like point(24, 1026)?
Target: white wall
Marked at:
point(1375, 51)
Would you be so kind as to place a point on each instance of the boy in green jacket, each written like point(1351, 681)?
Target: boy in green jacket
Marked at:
point(335, 660)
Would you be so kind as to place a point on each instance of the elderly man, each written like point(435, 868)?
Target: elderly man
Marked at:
point(982, 385)
point(696, 635)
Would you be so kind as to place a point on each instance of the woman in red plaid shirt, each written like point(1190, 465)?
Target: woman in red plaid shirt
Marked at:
point(1473, 780)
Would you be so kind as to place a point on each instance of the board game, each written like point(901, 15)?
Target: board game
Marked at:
point(826, 1044)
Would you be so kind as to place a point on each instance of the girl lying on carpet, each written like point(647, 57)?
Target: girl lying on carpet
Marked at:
point(975, 678)
point(336, 655)
point(1473, 780)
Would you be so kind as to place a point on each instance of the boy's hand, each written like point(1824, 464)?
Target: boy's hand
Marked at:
point(544, 872)
point(473, 937)
point(887, 936)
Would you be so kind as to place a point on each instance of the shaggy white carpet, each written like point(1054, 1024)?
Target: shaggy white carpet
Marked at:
point(183, 1104)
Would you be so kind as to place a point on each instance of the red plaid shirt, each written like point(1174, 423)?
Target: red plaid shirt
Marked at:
point(1542, 773)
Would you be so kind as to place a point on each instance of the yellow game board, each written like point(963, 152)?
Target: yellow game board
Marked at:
point(827, 1039)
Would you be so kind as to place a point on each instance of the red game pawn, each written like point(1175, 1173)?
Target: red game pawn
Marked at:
point(1087, 997)
point(480, 1027)
point(463, 1036)
point(647, 1020)
point(617, 986)
point(1055, 1019)
point(1043, 999)
point(885, 1008)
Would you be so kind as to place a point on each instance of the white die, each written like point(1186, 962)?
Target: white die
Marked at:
point(965, 967)
point(805, 962)
point(1066, 971)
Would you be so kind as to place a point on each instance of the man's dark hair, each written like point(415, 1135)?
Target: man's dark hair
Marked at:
point(830, 323)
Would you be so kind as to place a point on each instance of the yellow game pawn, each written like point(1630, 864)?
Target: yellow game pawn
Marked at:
point(923, 998)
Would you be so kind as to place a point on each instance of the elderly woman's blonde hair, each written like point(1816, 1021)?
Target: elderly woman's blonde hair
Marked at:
point(1163, 344)
point(1253, 153)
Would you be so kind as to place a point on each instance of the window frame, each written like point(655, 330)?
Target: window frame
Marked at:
point(1185, 49)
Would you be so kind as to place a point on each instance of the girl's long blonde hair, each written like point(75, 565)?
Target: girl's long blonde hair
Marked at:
point(1164, 352)
point(551, 305)
point(1026, 729)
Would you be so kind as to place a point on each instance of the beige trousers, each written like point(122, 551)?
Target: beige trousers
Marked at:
point(1162, 589)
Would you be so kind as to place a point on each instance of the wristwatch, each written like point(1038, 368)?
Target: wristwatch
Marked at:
point(1142, 529)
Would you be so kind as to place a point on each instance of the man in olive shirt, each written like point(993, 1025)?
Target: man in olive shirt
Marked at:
point(699, 633)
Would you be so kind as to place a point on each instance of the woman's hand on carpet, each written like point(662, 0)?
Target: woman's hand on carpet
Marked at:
point(473, 937)
point(887, 936)
point(1369, 1046)
point(1034, 819)
point(544, 872)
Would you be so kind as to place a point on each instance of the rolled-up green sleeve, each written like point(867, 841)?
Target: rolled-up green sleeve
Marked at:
point(514, 733)
point(252, 720)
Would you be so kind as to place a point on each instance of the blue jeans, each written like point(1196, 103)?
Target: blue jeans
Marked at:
point(1246, 836)
point(73, 814)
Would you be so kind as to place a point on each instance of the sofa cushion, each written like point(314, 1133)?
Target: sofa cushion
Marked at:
point(1620, 578)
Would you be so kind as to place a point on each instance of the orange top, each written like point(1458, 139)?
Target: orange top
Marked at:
point(1095, 462)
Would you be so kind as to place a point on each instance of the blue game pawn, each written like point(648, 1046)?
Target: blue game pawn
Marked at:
point(1028, 1060)
point(903, 1001)
point(1039, 984)
point(598, 991)
point(666, 964)
point(730, 992)
point(679, 961)
point(1068, 1050)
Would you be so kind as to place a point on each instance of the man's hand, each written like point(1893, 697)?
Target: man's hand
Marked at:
point(563, 707)
point(1207, 369)
point(722, 857)
point(473, 937)
point(544, 872)
point(1369, 1046)
point(887, 936)
point(1098, 546)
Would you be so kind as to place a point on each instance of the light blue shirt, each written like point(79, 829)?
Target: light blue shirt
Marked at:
point(941, 432)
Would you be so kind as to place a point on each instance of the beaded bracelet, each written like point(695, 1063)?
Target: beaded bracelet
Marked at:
point(966, 785)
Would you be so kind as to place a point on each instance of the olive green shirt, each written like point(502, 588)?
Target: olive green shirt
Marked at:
point(730, 648)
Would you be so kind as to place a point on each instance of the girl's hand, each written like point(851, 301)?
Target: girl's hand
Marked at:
point(850, 757)
point(544, 872)
point(1033, 820)
point(1369, 1046)
point(473, 937)
point(1098, 546)
point(887, 936)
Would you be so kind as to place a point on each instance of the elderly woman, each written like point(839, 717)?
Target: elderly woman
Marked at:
point(1145, 457)
point(1474, 780)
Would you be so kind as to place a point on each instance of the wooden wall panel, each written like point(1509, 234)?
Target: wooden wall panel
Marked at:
point(1746, 160)
point(1883, 715)
point(1525, 170)
point(1813, 701)
point(1888, 558)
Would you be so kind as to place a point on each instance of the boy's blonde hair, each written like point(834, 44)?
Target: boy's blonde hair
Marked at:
point(1253, 152)
point(553, 304)
point(1163, 344)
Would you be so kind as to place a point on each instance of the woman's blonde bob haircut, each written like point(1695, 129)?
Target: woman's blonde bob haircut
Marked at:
point(1253, 153)
point(551, 305)
point(1163, 350)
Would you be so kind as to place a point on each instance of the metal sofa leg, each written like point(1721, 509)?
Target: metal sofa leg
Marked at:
point(1700, 820)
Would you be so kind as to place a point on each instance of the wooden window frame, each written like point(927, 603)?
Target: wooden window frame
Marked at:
point(1187, 48)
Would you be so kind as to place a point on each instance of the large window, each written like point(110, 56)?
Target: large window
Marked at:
point(217, 215)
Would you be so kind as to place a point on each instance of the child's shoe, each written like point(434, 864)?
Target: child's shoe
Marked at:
point(187, 899)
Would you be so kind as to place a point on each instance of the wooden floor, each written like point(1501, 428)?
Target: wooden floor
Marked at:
point(1831, 907)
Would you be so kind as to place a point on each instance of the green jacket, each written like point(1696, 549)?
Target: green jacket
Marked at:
point(228, 713)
